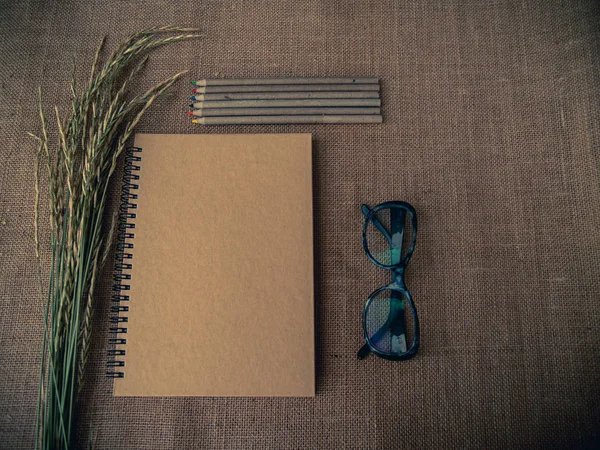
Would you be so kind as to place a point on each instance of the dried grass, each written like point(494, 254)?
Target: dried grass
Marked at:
point(80, 169)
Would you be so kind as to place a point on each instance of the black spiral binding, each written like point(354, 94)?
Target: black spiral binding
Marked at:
point(118, 320)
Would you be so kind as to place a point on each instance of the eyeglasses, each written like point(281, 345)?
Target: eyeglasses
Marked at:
point(389, 237)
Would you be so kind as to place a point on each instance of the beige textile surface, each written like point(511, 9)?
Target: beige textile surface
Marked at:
point(490, 130)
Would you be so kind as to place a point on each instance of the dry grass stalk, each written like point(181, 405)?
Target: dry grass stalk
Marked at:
point(80, 168)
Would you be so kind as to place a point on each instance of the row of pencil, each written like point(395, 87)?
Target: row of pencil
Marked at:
point(286, 101)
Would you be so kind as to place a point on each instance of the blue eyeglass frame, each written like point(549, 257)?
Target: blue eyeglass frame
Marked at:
point(398, 290)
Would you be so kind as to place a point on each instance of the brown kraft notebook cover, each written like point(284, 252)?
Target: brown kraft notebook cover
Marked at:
point(221, 288)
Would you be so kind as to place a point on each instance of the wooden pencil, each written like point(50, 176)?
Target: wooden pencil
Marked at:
point(268, 120)
point(286, 88)
point(254, 81)
point(210, 112)
point(284, 95)
point(357, 102)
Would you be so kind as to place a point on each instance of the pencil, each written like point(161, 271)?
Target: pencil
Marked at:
point(208, 112)
point(254, 81)
point(365, 102)
point(284, 95)
point(286, 88)
point(269, 120)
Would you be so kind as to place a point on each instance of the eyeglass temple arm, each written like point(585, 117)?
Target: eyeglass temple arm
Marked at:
point(392, 317)
point(396, 314)
point(365, 210)
point(363, 352)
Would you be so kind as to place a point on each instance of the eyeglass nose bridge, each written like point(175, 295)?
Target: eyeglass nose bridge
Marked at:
point(398, 277)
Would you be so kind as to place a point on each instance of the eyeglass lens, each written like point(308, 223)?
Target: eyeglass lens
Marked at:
point(386, 323)
point(389, 235)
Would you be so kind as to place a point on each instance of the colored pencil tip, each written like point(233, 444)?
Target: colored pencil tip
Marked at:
point(193, 83)
point(192, 98)
point(190, 113)
point(194, 121)
point(191, 105)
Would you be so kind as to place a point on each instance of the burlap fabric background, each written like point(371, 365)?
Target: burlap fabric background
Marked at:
point(491, 132)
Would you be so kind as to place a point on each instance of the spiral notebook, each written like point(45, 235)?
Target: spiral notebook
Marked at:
point(215, 273)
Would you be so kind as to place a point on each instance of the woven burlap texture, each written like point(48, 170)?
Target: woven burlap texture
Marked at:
point(491, 132)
